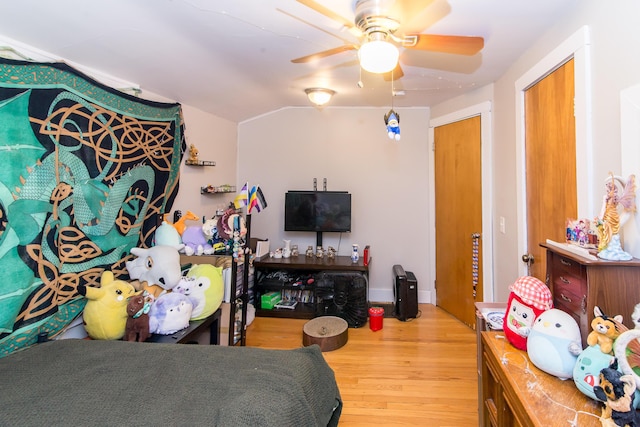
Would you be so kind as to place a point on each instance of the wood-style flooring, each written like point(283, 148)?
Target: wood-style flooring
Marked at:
point(417, 373)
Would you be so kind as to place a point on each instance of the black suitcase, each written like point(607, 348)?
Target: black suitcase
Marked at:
point(405, 290)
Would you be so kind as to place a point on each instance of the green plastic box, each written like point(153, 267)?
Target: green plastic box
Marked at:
point(268, 300)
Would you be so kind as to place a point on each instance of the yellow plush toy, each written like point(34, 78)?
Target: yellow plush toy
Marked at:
point(105, 315)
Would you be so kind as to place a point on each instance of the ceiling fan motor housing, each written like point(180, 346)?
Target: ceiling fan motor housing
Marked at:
point(373, 17)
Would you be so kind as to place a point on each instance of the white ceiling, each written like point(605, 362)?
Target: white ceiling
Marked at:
point(233, 58)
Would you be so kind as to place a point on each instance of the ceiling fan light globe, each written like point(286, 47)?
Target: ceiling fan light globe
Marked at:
point(378, 56)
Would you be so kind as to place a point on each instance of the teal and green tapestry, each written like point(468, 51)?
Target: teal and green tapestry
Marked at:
point(86, 172)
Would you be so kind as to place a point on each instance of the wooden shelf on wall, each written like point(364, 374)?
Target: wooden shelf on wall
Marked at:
point(210, 189)
point(199, 162)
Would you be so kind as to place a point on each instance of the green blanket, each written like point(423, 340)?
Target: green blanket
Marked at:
point(116, 383)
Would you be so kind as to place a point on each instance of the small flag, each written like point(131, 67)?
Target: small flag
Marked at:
point(242, 199)
point(256, 199)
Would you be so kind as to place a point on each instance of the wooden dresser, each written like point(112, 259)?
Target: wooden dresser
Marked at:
point(516, 393)
point(579, 284)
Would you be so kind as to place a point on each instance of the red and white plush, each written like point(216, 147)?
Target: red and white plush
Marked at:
point(529, 298)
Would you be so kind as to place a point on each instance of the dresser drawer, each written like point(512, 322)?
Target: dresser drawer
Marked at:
point(571, 292)
point(561, 265)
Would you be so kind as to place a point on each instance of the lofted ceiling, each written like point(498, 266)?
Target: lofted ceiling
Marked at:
point(233, 58)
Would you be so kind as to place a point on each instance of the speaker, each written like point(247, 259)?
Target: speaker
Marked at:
point(405, 290)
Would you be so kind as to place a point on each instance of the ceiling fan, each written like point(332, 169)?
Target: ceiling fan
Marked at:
point(378, 25)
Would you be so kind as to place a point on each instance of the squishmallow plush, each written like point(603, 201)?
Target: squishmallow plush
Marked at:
point(170, 313)
point(586, 372)
point(205, 288)
point(554, 343)
point(529, 298)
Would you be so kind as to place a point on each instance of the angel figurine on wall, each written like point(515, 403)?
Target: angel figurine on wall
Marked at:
point(618, 204)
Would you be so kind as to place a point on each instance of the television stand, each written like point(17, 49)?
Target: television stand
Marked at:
point(315, 283)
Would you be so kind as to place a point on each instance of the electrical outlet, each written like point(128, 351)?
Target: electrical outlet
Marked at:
point(503, 229)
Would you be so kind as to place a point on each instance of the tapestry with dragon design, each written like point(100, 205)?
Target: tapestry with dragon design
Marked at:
point(86, 173)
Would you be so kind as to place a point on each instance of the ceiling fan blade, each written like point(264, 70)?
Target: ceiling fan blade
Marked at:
point(460, 45)
point(327, 12)
point(396, 74)
point(409, 10)
point(324, 53)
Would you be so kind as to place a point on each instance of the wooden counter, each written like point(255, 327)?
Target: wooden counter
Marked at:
point(516, 393)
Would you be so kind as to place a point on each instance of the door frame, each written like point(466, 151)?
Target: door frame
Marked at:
point(578, 47)
point(484, 111)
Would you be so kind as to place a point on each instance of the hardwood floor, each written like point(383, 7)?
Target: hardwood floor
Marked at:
point(417, 373)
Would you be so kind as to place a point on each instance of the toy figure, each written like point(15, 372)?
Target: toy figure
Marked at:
point(392, 120)
point(193, 154)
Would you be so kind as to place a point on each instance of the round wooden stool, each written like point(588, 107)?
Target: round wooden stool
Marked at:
point(329, 332)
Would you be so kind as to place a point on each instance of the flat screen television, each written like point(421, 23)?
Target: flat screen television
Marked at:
point(320, 211)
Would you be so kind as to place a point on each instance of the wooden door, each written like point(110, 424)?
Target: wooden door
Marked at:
point(458, 217)
point(550, 152)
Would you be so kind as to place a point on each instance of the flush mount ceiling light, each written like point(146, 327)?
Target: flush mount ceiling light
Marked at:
point(319, 96)
point(378, 55)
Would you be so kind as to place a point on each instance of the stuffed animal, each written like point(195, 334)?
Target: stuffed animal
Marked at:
point(170, 313)
point(137, 326)
point(587, 369)
point(195, 241)
point(554, 343)
point(229, 221)
point(392, 120)
point(618, 393)
point(166, 234)
point(605, 330)
point(529, 298)
point(158, 268)
point(208, 287)
point(105, 315)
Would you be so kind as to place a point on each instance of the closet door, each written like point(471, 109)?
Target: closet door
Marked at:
point(550, 150)
point(458, 199)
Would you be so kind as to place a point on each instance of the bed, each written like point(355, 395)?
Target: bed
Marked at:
point(116, 383)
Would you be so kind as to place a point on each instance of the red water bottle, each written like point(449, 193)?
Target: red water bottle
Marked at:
point(365, 255)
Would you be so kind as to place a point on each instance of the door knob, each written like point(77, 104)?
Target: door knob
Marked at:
point(528, 259)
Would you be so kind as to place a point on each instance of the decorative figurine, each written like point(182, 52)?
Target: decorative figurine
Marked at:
point(309, 252)
point(392, 120)
point(331, 252)
point(294, 250)
point(319, 252)
point(355, 256)
point(611, 220)
point(193, 154)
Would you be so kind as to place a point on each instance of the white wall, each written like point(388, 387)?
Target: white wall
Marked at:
point(216, 140)
point(615, 37)
point(287, 149)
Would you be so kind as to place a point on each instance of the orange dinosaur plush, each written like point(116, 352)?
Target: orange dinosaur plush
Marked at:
point(605, 330)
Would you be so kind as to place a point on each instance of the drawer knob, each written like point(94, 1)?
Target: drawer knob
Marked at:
point(565, 262)
point(564, 297)
point(565, 281)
